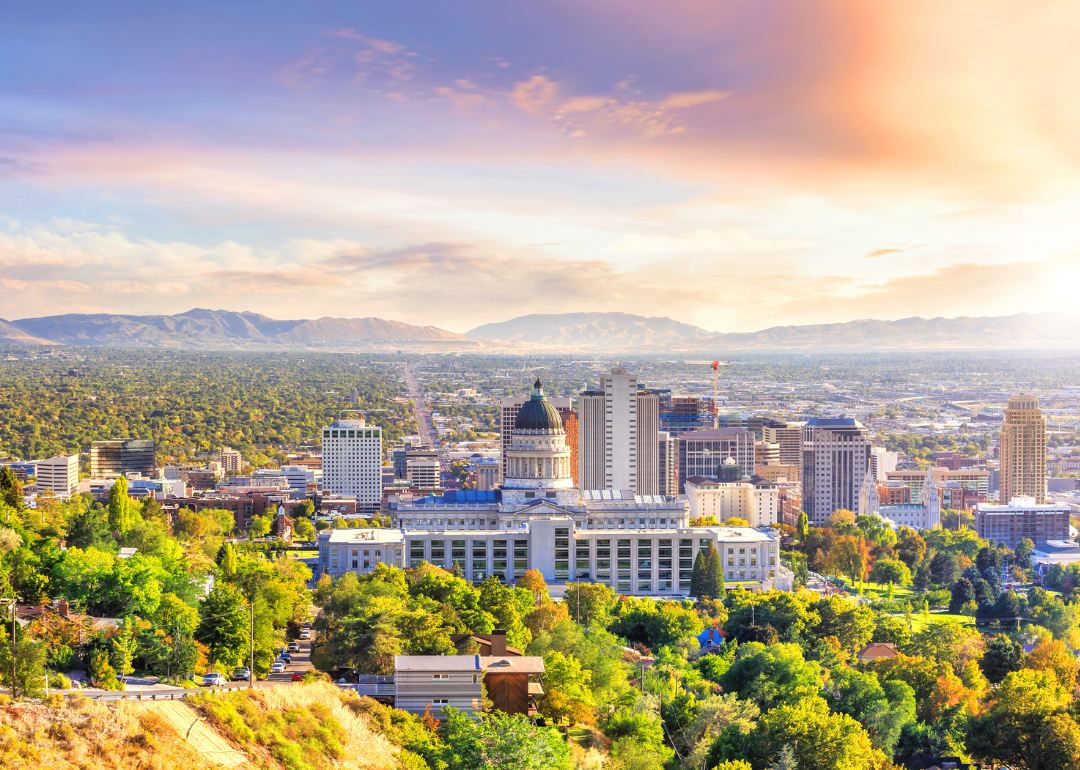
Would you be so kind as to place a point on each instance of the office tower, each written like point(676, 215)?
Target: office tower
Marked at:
point(836, 454)
point(702, 453)
point(1022, 447)
point(570, 425)
point(618, 435)
point(230, 459)
point(668, 464)
point(648, 443)
point(509, 409)
point(113, 459)
point(766, 453)
point(487, 474)
point(977, 480)
point(789, 436)
point(755, 501)
point(1022, 517)
point(423, 468)
point(882, 461)
point(354, 397)
point(352, 463)
point(59, 474)
point(727, 418)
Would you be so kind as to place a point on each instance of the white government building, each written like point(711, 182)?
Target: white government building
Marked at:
point(537, 519)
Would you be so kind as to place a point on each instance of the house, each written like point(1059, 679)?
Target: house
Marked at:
point(423, 682)
point(711, 639)
point(877, 650)
point(40, 615)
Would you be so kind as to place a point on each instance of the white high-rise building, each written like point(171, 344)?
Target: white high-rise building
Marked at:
point(231, 460)
point(836, 455)
point(754, 500)
point(59, 474)
point(619, 435)
point(668, 464)
point(352, 463)
point(882, 461)
point(508, 413)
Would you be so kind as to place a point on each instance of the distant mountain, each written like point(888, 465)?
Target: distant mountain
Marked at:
point(13, 335)
point(1023, 330)
point(213, 328)
point(575, 330)
point(619, 331)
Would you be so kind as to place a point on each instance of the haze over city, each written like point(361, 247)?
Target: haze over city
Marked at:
point(735, 165)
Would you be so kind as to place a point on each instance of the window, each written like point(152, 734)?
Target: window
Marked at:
point(440, 701)
point(440, 676)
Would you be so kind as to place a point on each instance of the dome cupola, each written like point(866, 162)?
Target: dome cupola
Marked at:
point(537, 413)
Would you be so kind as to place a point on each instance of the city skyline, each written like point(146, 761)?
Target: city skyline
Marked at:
point(820, 162)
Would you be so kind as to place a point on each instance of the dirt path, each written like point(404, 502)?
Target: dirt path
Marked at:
point(200, 736)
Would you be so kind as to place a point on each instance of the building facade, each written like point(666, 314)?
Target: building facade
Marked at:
point(352, 463)
point(668, 464)
point(113, 459)
point(1022, 445)
point(618, 435)
point(1022, 517)
point(752, 499)
point(974, 479)
point(882, 461)
point(59, 475)
point(789, 436)
point(231, 460)
point(703, 453)
point(836, 455)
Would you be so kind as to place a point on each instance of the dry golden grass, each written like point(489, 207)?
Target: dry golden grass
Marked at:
point(363, 749)
point(86, 735)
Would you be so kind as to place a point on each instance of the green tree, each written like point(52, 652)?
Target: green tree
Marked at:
point(697, 577)
point(818, 739)
point(771, 675)
point(713, 581)
point(124, 646)
point(502, 742)
point(802, 529)
point(29, 665)
point(1059, 744)
point(223, 626)
point(1009, 731)
point(101, 672)
point(120, 508)
point(1001, 657)
point(260, 526)
point(891, 571)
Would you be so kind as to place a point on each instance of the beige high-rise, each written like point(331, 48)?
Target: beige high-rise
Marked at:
point(1022, 449)
point(618, 436)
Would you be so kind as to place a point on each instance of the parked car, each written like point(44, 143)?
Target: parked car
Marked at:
point(277, 668)
point(285, 656)
point(297, 676)
point(241, 674)
point(213, 680)
point(294, 646)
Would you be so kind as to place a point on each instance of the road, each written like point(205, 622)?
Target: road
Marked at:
point(147, 687)
point(428, 435)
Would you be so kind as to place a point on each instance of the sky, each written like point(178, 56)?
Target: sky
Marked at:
point(734, 164)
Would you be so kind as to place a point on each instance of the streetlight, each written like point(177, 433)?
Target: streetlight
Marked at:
point(13, 603)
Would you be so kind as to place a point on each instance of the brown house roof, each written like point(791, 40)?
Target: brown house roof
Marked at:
point(878, 650)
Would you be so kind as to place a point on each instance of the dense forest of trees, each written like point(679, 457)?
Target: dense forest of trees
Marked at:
point(189, 402)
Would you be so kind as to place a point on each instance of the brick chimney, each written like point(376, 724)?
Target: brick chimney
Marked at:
point(62, 608)
point(498, 643)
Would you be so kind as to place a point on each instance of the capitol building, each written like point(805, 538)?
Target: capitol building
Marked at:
point(537, 519)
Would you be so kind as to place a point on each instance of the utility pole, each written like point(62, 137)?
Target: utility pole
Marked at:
point(251, 649)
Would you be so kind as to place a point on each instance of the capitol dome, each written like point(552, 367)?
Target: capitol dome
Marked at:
point(537, 413)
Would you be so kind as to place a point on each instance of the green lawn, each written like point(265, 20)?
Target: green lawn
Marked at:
point(918, 623)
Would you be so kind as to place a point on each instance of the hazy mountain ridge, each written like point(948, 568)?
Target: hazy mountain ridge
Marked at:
point(589, 329)
point(621, 330)
point(215, 328)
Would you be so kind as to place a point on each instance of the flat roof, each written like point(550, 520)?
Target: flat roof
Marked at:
point(437, 662)
point(513, 665)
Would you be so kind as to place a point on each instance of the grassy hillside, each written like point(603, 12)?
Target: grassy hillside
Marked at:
point(303, 727)
point(80, 734)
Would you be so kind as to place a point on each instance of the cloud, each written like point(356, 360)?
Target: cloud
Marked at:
point(884, 252)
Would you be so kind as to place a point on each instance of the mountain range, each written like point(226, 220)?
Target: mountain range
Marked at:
point(213, 328)
point(619, 330)
point(567, 331)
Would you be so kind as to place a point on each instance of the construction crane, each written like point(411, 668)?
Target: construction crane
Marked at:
point(715, 384)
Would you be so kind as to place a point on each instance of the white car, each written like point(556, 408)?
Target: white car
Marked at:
point(277, 668)
point(213, 680)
